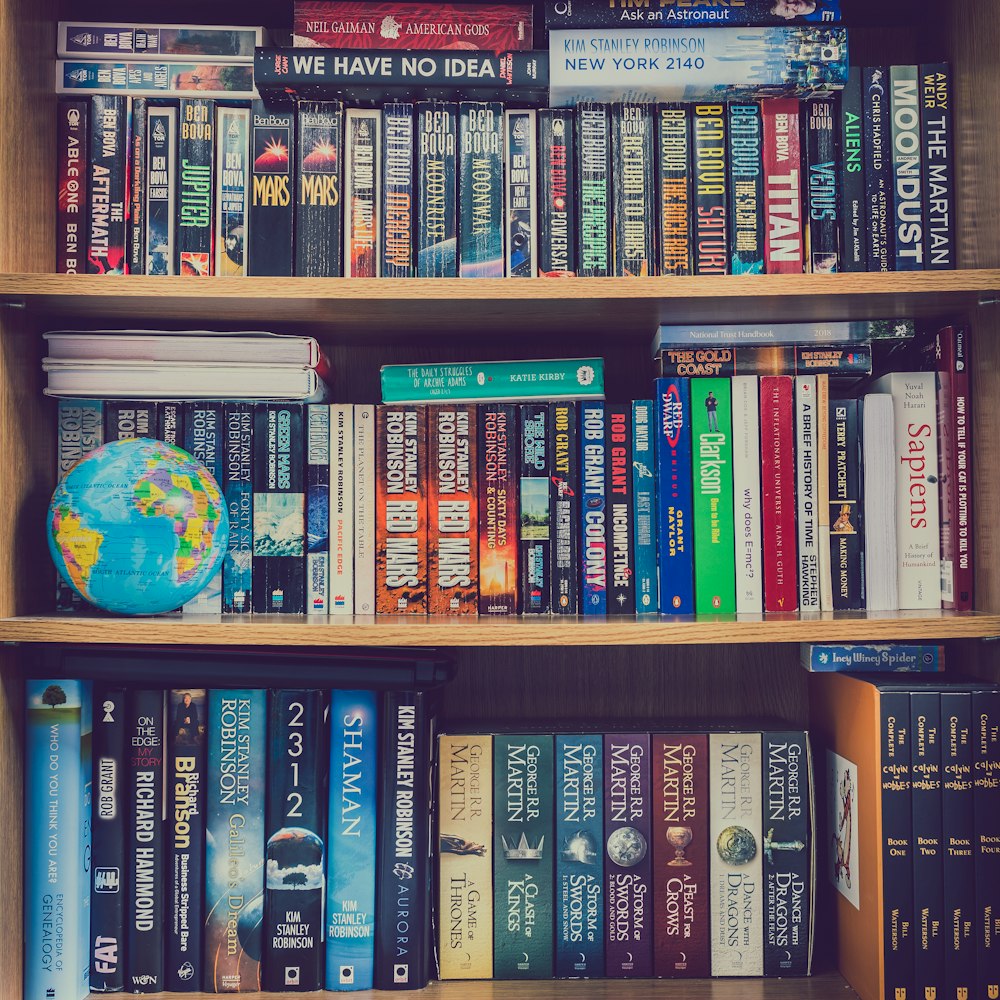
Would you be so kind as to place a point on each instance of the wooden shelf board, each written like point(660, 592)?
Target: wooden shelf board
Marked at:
point(622, 305)
point(230, 630)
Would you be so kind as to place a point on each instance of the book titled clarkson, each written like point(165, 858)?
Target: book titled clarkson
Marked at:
point(673, 189)
point(564, 507)
point(107, 182)
point(319, 183)
point(237, 486)
point(272, 196)
point(907, 184)
point(72, 164)
point(523, 870)
point(710, 222)
point(481, 190)
point(234, 851)
point(557, 209)
point(784, 250)
point(593, 511)
point(633, 188)
point(593, 190)
point(232, 189)
point(498, 518)
point(436, 234)
point(746, 188)
point(620, 507)
point(534, 554)
point(195, 158)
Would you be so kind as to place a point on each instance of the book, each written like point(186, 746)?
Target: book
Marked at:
point(321, 493)
point(710, 190)
point(776, 359)
point(72, 165)
point(497, 477)
point(195, 166)
point(557, 208)
point(481, 189)
point(673, 190)
point(805, 494)
point(873, 658)
point(107, 184)
point(907, 201)
point(351, 854)
point(747, 495)
point(878, 517)
point(319, 184)
point(620, 508)
point(633, 189)
point(362, 192)
point(398, 191)
point(364, 509)
point(238, 489)
point(777, 446)
point(847, 553)
point(521, 177)
point(823, 199)
point(593, 510)
point(823, 493)
point(270, 246)
point(205, 438)
point(164, 79)
point(128, 418)
point(744, 129)
point(232, 189)
point(593, 190)
point(881, 233)
point(937, 164)
point(161, 190)
point(340, 523)
point(153, 41)
point(600, 14)
point(564, 505)
point(135, 233)
point(534, 516)
point(985, 767)
point(465, 856)
point(850, 123)
point(647, 598)
point(735, 334)
point(784, 241)
point(437, 190)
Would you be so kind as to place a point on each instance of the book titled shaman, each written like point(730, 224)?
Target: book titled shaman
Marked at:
point(269, 248)
point(937, 163)
point(362, 192)
point(237, 487)
point(185, 847)
point(846, 531)
point(564, 506)
point(579, 838)
point(320, 152)
point(107, 183)
point(907, 184)
point(710, 217)
point(534, 555)
point(593, 511)
point(784, 242)
point(807, 431)
point(593, 190)
point(557, 209)
point(521, 192)
point(480, 190)
point(853, 208)
point(436, 234)
point(72, 164)
point(205, 439)
point(880, 242)
point(232, 189)
point(823, 201)
point(498, 537)
point(341, 523)
point(465, 856)
point(735, 844)
point(745, 130)
point(234, 841)
point(161, 190)
point(644, 505)
point(135, 234)
point(633, 189)
point(620, 506)
point(398, 191)
point(278, 509)
point(673, 187)
point(523, 870)
point(318, 497)
point(195, 165)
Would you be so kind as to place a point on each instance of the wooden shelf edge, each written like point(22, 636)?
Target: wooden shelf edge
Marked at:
point(211, 630)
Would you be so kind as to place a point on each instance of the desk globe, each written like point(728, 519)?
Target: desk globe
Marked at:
point(138, 527)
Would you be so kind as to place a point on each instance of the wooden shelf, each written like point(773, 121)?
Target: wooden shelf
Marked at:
point(622, 305)
point(234, 630)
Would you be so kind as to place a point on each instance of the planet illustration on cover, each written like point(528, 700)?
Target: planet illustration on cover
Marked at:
point(138, 527)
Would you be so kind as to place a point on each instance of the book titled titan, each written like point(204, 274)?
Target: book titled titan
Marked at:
point(57, 843)
point(673, 187)
point(319, 184)
point(465, 856)
point(620, 507)
point(644, 505)
point(498, 503)
point(234, 840)
point(674, 499)
point(593, 510)
point(880, 233)
point(185, 847)
point(534, 555)
point(232, 189)
point(237, 487)
point(806, 501)
point(294, 886)
point(398, 191)
point(557, 209)
point(846, 529)
point(481, 190)
point(161, 190)
point(350, 856)
point(746, 188)
point(986, 781)
point(341, 523)
point(318, 497)
point(777, 478)
point(107, 184)
point(436, 233)
point(523, 869)
point(593, 190)
point(135, 234)
point(907, 183)
point(278, 509)
point(564, 506)
point(362, 192)
point(633, 189)
point(521, 192)
point(195, 166)
point(269, 245)
point(938, 166)
point(822, 197)
point(710, 202)
point(403, 872)
point(853, 209)
point(72, 164)
point(205, 439)
point(579, 874)
point(784, 243)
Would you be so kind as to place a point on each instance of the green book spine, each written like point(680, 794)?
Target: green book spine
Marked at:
point(712, 470)
point(523, 842)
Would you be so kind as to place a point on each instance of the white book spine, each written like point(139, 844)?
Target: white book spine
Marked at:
point(362, 192)
point(342, 509)
point(736, 870)
point(805, 493)
point(746, 494)
point(823, 492)
point(521, 193)
point(364, 509)
point(317, 512)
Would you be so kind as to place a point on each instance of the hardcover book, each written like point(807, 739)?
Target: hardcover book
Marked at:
point(72, 164)
point(237, 487)
point(873, 658)
point(521, 192)
point(272, 198)
point(746, 188)
point(937, 163)
point(907, 200)
point(557, 208)
point(319, 153)
point(628, 14)
point(480, 190)
point(398, 191)
point(362, 192)
point(437, 190)
point(673, 189)
point(821, 334)
point(880, 240)
point(107, 184)
point(161, 190)
point(620, 507)
point(232, 189)
point(784, 251)
point(319, 512)
point(777, 359)
point(593, 190)
point(986, 771)
point(711, 237)
point(564, 506)
point(593, 510)
point(498, 505)
point(534, 554)
point(633, 189)
point(195, 166)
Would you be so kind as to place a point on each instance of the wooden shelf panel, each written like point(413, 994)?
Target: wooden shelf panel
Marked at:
point(622, 305)
point(233, 630)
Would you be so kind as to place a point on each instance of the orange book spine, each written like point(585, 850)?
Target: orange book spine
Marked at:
point(498, 509)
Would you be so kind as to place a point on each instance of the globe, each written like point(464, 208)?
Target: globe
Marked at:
point(138, 527)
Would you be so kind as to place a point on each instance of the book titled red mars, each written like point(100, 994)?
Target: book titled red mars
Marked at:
point(487, 27)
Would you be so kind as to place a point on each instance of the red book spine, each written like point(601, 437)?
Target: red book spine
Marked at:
point(401, 510)
point(71, 201)
point(777, 467)
point(961, 401)
point(681, 943)
point(783, 242)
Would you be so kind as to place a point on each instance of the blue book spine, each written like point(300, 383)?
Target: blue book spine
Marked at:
point(397, 191)
point(237, 567)
point(318, 509)
point(907, 189)
point(593, 512)
point(644, 493)
point(579, 903)
point(745, 137)
point(437, 190)
point(480, 190)
point(350, 873)
point(57, 840)
point(203, 438)
point(873, 658)
point(674, 497)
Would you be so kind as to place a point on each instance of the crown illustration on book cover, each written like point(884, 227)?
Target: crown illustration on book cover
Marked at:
point(522, 850)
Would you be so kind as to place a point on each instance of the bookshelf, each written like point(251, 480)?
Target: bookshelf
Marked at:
point(642, 670)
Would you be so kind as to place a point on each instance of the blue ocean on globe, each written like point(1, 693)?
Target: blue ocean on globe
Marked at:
point(138, 527)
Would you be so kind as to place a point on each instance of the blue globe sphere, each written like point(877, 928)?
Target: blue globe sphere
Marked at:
point(138, 527)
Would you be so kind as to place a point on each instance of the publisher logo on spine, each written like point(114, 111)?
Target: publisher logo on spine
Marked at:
point(400, 973)
point(346, 975)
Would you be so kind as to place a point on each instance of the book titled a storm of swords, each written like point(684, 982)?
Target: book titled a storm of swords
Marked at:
point(633, 189)
point(534, 520)
point(195, 163)
point(593, 190)
point(72, 164)
point(107, 183)
point(710, 215)
point(161, 190)
point(498, 482)
point(398, 191)
point(557, 211)
point(237, 486)
point(746, 187)
point(272, 197)
point(232, 189)
point(564, 507)
point(620, 507)
point(822, 197)
point(437, 190)
point(673, 187)
point(135, 233)
point(480, 190)
point(319, 183)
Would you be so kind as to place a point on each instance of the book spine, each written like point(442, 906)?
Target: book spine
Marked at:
point(523, 870)
point(362, 193)
point(778, 359)
point(195, 172)
point(880, 230)
point(364, 509)
point(786, 847)
point(498, 501)
point(711, 238)
point(185, 864)
point(340, 523)
point(534, 555)
point(673, 173)
point(986, 771)
point(321, 499)
point(805, 494)
point(147, 41)
point(601, 14)
point(736, 867)
point(557, 208)
point(681, 849)
point(107, 184)
point(107, 861)
point(161, 190)
point(319, 154)
point(521, 193)
point(170, 423)
point(938, 179)
point(746, 495)
point(465, 865)
point(579, 874)
point(674, 495)
point(767, 334)
point(873, 657)
point(144, 951)
point(398, 192)
point(628, 868)
point(853, 251)
point(272, 199)
point(633, 183)
point(593, 190)
point(961, 387)
point(593, 510)
point(72, 164)
point(294, 891)
point(401, 510)
point(278, 509)
point(127, 418)
point(783, 240)
point(620, 507)
point(237, 567)
point(647, 596)
point(135, 235)
point(846, 538)
point(937, 353)
point(437, 190)
point(746, 185)
point(907, 188)
point(142, 78)
point(232, 153)
point(351, 839)
point(480, 190)
point(823, 251)
point(777, 446)
point(205, 439)
point(564, 506)
point(822, 447)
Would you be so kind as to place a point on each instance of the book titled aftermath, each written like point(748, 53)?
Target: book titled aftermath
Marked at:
point(205, 439)
point(154, 79)
point(72, 165)
point(195, 165)
point(673, 187)
point(880, 243)
point(135, 233)
point(278, 509)
point(644, 500)
point(593, 190)
point(534, 553)
point(823, 208)
point(270, 249)
point(746, 188)
point(853, 208)
point(937, 163)
point(593, 510)
point(237, 487)
point(341, 521)
point(232, 189)
point(557, 209)
point(481, 190)
point(398, 191)
point(564, 507)
point(784, 249)
point(633, 189)
point(777, 437)
point(907, 190)
point(152, 41)
point(319, 184)
point(668, 14)
point(779, 359)
point(521, 192)
point(318, 507)
point(620, 508)
point(711, 237)
point(362, 192)
point(436, 235)
point(498, 515)
point(107, 183)
point(161, 190)
point(523, 848)
point(846, 537)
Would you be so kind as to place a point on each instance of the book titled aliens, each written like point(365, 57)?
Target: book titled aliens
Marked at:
point(234, 840)
point(480, 190)
point(523, 829)
point(579, 837)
